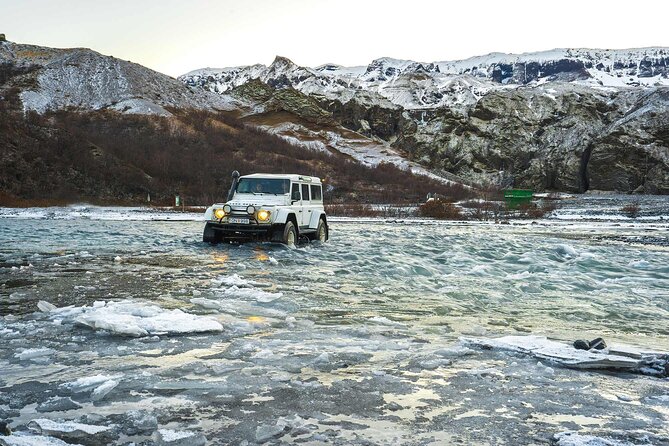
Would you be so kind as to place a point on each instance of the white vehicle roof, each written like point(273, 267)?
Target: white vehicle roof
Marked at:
point(285, 176)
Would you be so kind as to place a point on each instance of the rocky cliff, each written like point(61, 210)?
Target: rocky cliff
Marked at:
point(571, 119)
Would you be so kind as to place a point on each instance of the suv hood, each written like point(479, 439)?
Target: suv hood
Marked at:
point(240, 200)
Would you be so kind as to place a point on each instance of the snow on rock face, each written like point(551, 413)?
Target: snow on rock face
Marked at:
point(82, 78)
point(132, 318)
point(418, 85)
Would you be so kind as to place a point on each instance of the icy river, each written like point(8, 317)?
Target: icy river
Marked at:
point(120, 327)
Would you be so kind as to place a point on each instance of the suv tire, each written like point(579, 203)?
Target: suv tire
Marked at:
point(210, 235)
point(289, 235)
point(322, 234)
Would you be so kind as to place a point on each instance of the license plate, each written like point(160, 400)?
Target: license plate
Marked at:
point(241, 221)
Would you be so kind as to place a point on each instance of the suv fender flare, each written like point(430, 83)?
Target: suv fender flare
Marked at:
point(282, 216)
point(315, 216)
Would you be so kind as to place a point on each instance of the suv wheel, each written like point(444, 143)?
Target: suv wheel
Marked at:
point(289, 234)
point(210, 235)
point(322, 232)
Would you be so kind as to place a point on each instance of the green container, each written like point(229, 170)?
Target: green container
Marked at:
point(516, 197)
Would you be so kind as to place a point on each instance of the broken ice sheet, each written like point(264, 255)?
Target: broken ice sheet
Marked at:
point(568, 356)
point(134, 318)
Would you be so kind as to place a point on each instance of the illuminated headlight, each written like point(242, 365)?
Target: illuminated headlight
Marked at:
point(251, 210)
point(263, 215)
point(219, 213)
point(227, 208)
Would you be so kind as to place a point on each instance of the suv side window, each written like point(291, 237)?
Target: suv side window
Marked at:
point(295, 192)
point(305, 192)
point(316, 193)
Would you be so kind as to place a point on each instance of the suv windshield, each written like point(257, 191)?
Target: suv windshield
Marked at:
point(263, 186)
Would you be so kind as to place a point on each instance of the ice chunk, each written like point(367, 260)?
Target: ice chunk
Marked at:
point(385, 321)
point(58, 405)
point(23, 439)
point(131, 318)
point(141, 422)
point(45, 306)
point(101, 391)
point(168, 437)
point(563, 354)
point(34, 353)
point(71, 431)
point(88, 383)
point(234, 280)
point(252, 293)
point(266, 432)
point(575, 439)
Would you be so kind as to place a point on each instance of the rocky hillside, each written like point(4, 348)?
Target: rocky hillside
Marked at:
point(52, 79)
point(570, 119)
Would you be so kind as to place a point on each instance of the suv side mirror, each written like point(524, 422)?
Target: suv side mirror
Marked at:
point(295, 196)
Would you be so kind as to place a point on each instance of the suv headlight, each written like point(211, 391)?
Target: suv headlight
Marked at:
point(263, 215)
point(219, 213)
point(227, 208)
point(251, 210)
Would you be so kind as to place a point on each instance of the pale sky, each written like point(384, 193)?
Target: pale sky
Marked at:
point(176, 36)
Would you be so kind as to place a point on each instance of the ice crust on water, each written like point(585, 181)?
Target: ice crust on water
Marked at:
point(23, 439)
point(101, 385)
point(131, 318)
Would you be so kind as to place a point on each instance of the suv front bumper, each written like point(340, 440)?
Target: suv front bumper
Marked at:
point(234, 231)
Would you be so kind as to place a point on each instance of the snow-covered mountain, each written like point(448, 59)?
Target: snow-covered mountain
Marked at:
point(569, 119)
point(52, 79)
point(415, 85)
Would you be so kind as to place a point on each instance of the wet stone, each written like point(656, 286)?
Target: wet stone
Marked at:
point(581, 345)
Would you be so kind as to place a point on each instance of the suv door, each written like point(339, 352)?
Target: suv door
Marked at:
point(306, 206)
point(296, 202)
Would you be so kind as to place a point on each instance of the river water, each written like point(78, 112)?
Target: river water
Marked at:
point(356, 341)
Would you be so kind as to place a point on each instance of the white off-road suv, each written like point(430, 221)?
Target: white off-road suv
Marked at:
point(268, 207)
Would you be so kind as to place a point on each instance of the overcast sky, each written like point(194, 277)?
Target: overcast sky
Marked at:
point(176, 36)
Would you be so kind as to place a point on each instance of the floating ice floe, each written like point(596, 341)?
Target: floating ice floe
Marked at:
point(131, 318)
point(624, 358)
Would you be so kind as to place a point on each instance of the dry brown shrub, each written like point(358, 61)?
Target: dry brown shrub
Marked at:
point(440, 209)
point(632, 210)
